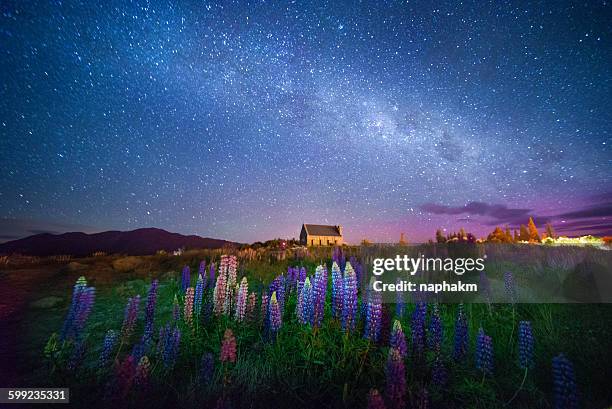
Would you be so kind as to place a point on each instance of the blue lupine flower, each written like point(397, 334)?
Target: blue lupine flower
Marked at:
point(398, 339)
point(199, 293)
point(510, 286)
point(207, 368)
point(110, 340)
point(349, 299)
point(68, 327)
point(304, 308)
point(337, 289)
point(484, 352)
point(461, 335)
point(319, 291)
point(373, 317)
point(525, 345)
point(564, 380)
point(436, 330)
point(418, 329)
point(396, 380)
point(439, 374)
point(185, 279)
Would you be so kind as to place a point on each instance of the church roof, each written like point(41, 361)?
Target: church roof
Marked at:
point(322, 230)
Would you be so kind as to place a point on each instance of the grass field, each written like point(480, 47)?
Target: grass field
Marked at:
point(297, 366)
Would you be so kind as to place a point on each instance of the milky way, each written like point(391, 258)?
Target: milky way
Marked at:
point(243, 121)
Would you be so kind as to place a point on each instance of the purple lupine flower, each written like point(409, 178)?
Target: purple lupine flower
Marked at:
point(202, 272)
point(510, 286)
point(385, 325)
point(68, 327)
point(461, 335)
point(373, 317)
point(525, 336)
point(436, 330)
point(185, 279)
point(396, 380)
point(199, 293)
point(171, 347)
point(439, 375)
point(302, 276)
point(275, 315)
point(349, 298)
point(110, 340)
point(484, 352)
point(129, 319)
point(86, 301)
point(417, 327)
point(150, 310)
point(375, 401)
point(319, 290)
point(359, 273)
point(207, 368)
point(212, 275)
point(337, 289)
point(176, 309)
point(564, 380)
point(241, 300)
point(398, 339)
point(188, 308)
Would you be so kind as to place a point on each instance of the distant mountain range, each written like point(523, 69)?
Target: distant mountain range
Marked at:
point(135, 242)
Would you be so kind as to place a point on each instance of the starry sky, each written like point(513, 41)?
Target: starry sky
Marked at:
point(241, 120)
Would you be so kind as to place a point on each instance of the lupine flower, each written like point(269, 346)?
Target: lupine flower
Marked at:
point(277, 285)
point(176, 309)
point(436, 331)
point(461, 335)
point(228, 347)
point(484, 352)
point(564, 380)
point(68, 327)
point(509, 286)
point(439, 375)
point(373, 317)
point(264, 309)
point(212, 274)
point(251, 306)
point(275, 315)
point(186, 279)
point(418, 329)
point(385, 325)
point(337, 290)
point(188, 309)
point(375, 401)
point(302, 276)
point(319, 291)
point(129, 319)
point(359, 273)
point(400, 305)
point(86, 301)
point(304, 307)
point(398, 339)
point(396, 380)
point(349, 307)
point(202, 272)
point(207, 368)
point(241, 300)
point(171, 347)
point(150, 310)
point(525, 345)
point(199, 293)
point(110, 340)
point(219, 294)
point(142, 372)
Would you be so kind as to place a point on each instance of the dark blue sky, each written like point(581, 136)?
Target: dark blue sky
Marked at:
point(241, 121)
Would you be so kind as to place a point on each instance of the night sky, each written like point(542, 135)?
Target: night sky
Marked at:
point(242, 122)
